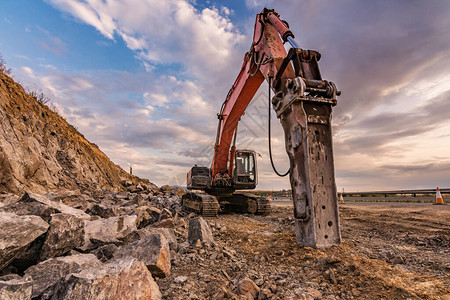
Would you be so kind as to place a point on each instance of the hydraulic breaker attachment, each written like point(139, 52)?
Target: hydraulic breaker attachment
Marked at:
point(303, 105)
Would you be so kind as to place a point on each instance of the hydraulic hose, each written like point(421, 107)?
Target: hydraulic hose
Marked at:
point(270, 143)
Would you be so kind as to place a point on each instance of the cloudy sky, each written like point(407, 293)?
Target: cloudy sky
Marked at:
point(144, 80)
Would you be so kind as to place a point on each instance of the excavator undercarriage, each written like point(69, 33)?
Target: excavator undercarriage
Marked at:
point(209, 206)
point(201, 203)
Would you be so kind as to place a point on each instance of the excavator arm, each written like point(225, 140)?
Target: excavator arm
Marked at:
point(261, 62)
point(303, 102)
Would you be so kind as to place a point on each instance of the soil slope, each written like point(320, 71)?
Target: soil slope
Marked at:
point(41, 152)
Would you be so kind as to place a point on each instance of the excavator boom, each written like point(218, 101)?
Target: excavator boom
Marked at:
point(263, 60)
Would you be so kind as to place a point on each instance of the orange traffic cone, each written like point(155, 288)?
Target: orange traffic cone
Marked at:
point(439, 199)
point(341, 199)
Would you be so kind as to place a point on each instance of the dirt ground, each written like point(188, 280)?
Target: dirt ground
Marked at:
point(389, 251)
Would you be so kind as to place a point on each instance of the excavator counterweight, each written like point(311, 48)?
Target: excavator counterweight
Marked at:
point(303, 102)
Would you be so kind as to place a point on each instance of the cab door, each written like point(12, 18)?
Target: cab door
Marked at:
point(244, 175)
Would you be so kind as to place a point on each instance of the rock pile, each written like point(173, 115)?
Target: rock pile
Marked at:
point(108, 245)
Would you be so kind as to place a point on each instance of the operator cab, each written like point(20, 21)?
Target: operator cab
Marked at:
point(244, 174)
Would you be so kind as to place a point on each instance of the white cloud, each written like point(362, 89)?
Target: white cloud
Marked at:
point(225, 10)
point(28, 72)
point(156, 99)
point(258, 4)
point(164, 32)
point(88, 12)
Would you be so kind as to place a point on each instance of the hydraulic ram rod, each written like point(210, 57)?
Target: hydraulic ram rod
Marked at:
point(293, 42)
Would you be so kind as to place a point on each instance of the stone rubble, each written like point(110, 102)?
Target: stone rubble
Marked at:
point(70, 245)
point(143, 246)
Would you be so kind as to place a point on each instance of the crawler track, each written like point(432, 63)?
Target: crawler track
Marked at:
point(208, 205)
point(200, 203)
point(246, 203)
point(264, 207)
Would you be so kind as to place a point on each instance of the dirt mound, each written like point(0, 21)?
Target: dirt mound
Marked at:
point(41, 152)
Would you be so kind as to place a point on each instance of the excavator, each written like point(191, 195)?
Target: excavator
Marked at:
point(303, 103)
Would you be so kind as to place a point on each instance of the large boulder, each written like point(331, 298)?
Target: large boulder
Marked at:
point(42, 206)
point(125, 278)
point(166, 223)
point(247, 287)
point(152, 250)
point(48, 272)
point(146, 215)
point(108, 231)
point(165, 214)
point(166, 188)
point(9, 277)
point(71, 198)
point(137, 200)
point(179, 191)
point(103, 211)
point(66, 232)
point(105, 253)
point(168, 233)
point(6, 199)
point(199, 230)
point(30, 208)
point(17, 234)
point(16, 289)
point(106, 210)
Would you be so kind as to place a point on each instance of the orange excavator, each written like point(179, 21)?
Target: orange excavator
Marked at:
point(303, 102)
